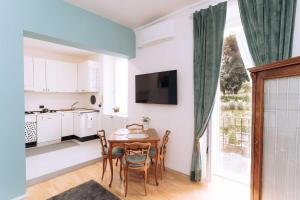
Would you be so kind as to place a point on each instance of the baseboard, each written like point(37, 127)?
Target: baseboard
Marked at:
point(31, 144)
point(177, 172)
point(60, 172)
point(87, 138)
point(70, 137)
point(20, 197)
point(80, 139)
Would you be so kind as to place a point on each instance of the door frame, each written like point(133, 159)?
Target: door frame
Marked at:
point(286, 68)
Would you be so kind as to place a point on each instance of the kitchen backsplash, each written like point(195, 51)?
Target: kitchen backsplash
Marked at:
point(58, 100)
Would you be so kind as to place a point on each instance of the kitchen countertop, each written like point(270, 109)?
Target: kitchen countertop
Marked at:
point(78, 110)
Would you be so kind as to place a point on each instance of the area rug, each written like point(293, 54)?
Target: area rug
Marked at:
point(90, 190)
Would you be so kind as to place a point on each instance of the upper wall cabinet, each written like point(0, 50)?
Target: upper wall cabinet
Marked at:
point(39, 75)
point(68, 77)
point(28, 73)
point(52, 78)
point(87, 76)
point(61, 76)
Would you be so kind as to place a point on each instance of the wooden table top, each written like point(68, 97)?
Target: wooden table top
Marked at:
point(121, 135)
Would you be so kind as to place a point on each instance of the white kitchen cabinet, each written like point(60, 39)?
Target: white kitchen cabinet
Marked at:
point(48, 127)
point(52, 75)
point(86, 124)
point(67, 77)
point(67, 124)
point(76, 123)
point(28, 73)
point(43, 75)
point(39, 74)
point(87, 76)
point(61, 76)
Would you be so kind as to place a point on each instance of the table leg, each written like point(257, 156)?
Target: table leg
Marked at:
point(156, 163)
point(110, 164)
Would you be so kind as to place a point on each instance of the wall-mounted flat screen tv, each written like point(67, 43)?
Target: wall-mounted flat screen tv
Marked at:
point(156, 88)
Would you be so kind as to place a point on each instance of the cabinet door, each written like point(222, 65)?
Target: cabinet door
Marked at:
point(87, 124)
point(52, 75)
point(87, 77)
point(92, 123)
point(67, 124)
point(28, 73)
point(48, 127)
point(83, 85)
point(67, 77)
point(76, 124)
point(93, 71)
point(39, 74)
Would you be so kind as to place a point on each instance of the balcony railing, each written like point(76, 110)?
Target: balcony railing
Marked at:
point(235, 135)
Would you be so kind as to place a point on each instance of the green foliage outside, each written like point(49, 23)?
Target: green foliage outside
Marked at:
point(236, 93)
point(233, 72)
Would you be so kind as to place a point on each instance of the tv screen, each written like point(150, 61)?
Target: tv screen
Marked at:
point(156, 88)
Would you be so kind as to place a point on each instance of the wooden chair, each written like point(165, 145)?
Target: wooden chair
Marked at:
point(135, 126)
point(117, 153)
point(161, 151)
point(136, 158)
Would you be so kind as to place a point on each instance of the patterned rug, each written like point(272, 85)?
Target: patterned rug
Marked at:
point(90, 190)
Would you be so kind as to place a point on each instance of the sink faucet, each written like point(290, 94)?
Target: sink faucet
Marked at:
point(73, 105)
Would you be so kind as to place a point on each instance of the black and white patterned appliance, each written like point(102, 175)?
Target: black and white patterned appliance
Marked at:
point(30, 129)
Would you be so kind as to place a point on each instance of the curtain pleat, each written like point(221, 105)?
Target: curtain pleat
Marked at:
point(269, 28)
point(208, 43)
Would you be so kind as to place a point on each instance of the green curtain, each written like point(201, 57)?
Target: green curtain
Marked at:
point(269, 28)
point(208, 43)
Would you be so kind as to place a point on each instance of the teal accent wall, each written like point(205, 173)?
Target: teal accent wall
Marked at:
point(52, 20)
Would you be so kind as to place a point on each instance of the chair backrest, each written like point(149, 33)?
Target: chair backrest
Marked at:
point(163, 148)
point(137, 149)
point(103, 142)
point(135, 126)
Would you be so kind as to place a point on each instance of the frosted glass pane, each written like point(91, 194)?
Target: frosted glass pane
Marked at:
point(281, 152)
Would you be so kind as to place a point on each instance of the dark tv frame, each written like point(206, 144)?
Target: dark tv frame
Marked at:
point(176, 103)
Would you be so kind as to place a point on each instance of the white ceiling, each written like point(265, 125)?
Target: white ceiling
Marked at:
point(132, 13)
point(56, 48)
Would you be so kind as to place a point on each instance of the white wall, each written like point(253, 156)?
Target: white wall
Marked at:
point(169, 55)
point(175, 54)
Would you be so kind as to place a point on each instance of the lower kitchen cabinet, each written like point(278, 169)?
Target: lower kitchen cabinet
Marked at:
point(48, 127)
point(85, 124)
point(67, 124)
